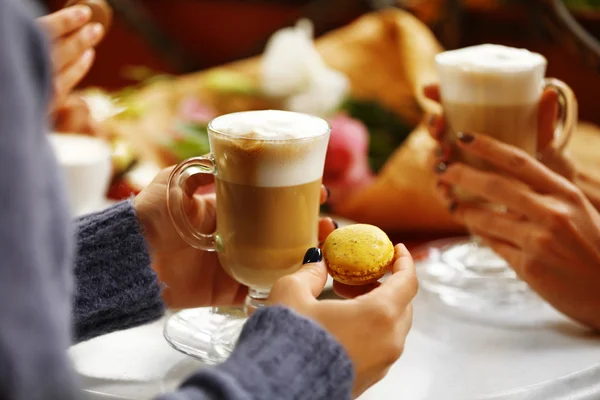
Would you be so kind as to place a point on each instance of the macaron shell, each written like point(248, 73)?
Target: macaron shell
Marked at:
point(358, 254)
point(343, 276)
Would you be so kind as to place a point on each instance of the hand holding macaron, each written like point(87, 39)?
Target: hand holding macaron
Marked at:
point(383, 313)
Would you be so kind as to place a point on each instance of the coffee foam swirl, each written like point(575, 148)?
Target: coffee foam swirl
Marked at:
point(269, 148)
point(270, 125)
point(491, 74)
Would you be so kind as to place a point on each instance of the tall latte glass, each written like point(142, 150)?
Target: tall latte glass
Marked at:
point(267, 167)
point(493, 90)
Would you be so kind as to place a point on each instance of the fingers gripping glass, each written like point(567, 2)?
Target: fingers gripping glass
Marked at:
point(180, 200)
point(462, 272)
point(268, 192)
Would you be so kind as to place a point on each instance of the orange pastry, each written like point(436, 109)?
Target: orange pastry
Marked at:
point(358, 254)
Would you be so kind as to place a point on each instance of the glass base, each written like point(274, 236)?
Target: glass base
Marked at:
point(211, 333)
point(472, 279)
point(208, 333)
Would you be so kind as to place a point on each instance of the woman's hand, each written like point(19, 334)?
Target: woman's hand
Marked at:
point(550, 234)
point(547, 116)
point(372, 327)
point(74, 116)
point(192, 277)
point(72, 42)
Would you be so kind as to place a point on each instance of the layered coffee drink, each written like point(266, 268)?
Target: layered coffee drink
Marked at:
point(493, 90)
point(268, 184)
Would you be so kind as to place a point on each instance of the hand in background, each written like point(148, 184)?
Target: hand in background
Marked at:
point(550, 234)
point(372, 327)
point(72, 41)
point(560, 163)
point(74, 116)
point(193, 278)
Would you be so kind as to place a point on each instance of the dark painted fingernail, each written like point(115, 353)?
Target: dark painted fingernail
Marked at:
point(465, 137)
point(441, 167)
point(335, 223)
point(432, 120)
point(328, 191)
point(313, 255)
point(453, 206)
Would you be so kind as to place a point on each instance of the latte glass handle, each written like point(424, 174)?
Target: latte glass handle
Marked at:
point(567, 113)
point(180, 202)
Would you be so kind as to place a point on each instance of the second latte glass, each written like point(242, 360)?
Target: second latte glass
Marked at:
point(268, 166)
point(493, 90)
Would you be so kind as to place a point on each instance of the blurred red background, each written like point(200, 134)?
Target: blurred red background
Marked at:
point(215, 32)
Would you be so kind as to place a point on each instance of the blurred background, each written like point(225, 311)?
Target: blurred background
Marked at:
point(178, 36)
point(166, 67)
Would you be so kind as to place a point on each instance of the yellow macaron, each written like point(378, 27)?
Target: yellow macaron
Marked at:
point(358, 254)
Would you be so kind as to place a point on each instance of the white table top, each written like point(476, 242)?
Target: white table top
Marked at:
point(446, 357)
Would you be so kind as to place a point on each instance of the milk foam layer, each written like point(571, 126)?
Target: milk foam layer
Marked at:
point(269, 148)
point(491, 74)
point(270, 125)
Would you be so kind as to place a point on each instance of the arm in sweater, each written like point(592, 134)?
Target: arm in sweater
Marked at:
point(279, 355)
point(35, 274)
point(115, 286)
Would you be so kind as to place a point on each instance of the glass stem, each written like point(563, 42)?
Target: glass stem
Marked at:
point(256, 298)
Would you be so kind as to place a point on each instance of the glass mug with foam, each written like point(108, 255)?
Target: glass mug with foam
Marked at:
point(493, 90)
point(267, 166)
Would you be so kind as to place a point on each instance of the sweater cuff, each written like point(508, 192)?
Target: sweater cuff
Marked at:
point(281, 355)
point(116, 287)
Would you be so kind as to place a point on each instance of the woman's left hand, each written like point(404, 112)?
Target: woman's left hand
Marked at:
point(192, 277)
point(72, 41)
point(550, 234)
point(74, 116)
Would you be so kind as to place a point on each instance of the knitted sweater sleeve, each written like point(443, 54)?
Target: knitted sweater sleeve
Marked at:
point(280, 355)
point(115, 286)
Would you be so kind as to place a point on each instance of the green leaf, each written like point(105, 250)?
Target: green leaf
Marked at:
point(192, 128)
point(231, 82)
point(387, 130)
point(582, 4)
point(131, 111)
point(193, 141)
point(190, 146)
point(139, 73)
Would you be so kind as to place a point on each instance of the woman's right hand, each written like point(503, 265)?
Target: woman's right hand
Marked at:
point(372, 327)
point(559, 162)
point(549, 233)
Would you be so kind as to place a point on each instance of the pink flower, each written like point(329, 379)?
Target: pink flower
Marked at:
point(347, 166)
point(191, 110)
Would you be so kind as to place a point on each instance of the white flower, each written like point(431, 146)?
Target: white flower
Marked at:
point(101, 105)
point(293, 68)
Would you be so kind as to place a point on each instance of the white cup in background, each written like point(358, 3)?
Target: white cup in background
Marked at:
point(86, 164)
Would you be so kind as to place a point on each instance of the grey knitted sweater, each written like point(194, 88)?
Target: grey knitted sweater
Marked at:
point(60, 283)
